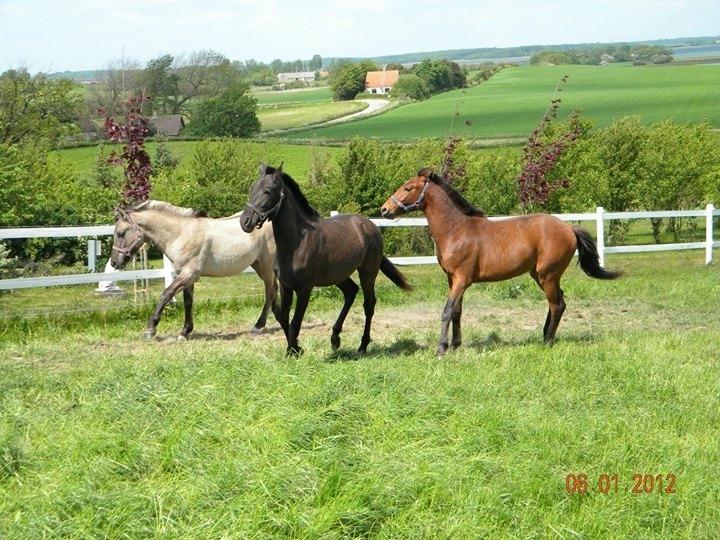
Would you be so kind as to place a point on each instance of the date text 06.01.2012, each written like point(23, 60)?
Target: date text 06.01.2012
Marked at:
point(611, 483)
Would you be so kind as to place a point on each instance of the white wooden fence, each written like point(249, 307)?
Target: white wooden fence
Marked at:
point(599, 217)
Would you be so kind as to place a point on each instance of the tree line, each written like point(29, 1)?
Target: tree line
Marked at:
point(605, 54)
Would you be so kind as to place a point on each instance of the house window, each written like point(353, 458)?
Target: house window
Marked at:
point(387, 90)
point(374, 90)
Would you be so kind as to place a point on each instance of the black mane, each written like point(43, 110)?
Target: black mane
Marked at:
point(295, 190)
point(455, 196)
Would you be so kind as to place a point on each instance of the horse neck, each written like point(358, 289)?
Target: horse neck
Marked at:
point(290, 222)
point(160, 228)
point(443, 216)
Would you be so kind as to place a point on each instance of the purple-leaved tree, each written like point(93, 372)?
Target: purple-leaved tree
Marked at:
point(134, 159)
point(541, 152)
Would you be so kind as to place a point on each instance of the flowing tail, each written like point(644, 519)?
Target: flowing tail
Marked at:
point(588, 257)
point(391, 271)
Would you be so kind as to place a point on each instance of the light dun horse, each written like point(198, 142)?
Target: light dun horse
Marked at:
point(197, 246)
point(470, 248)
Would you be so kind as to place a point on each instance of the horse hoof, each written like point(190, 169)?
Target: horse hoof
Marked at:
point(441, 350)
point(335, 342)
point(294, 351)
point(256, 330)
point(181, 337)
point(149, 335)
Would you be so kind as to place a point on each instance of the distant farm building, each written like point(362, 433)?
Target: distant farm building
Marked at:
point(381, 82)
point(299, 76)
point(169, 125)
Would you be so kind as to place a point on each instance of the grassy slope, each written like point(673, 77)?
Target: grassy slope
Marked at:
point(296, 157)
point(512, 102)
point(105, 435)
point(287, 117)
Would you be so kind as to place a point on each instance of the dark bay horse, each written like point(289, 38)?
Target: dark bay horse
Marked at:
point(471, 248)
point(312, 251)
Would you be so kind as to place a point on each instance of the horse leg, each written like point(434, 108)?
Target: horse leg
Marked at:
point(367, 281)
point(188, 293)
point(180, 282)
point(349, 289)
point(303, 297)
point(556, 301)
point(456, 334)
point(283, 313)
point(534, 275)
point(449, 313)
point(268, 276)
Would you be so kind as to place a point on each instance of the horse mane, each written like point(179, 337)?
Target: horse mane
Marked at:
point(455, 196)
point(163, 206)
point(294, 188)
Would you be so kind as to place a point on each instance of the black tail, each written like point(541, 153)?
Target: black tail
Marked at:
point(391, 271)
point(588, 255)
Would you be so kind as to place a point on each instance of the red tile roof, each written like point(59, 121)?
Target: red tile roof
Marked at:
point(381, 79)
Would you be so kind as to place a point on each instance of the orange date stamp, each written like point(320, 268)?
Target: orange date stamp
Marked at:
point(641, 484)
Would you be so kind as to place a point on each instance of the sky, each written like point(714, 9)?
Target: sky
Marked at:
point(47, 35)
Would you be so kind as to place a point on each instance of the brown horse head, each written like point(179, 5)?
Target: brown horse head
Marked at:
point(127, 238)
point(410, 196)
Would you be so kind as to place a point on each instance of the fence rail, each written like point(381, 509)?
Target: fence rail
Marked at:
point(599, 217)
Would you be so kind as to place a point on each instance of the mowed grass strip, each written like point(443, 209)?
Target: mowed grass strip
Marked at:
point(288, 117)
point(513, 101)
point(103, 434)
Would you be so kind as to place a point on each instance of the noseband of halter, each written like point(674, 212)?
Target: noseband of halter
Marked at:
point(264, 216)
point(128, 251)
point(418, 202)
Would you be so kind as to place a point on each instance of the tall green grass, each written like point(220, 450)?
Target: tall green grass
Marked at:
point(105, 435)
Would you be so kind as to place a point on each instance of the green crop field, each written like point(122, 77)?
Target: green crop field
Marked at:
point(296, 157)
point(311, 95)
point(514, 100)
point(287, 117)
point(105, 435)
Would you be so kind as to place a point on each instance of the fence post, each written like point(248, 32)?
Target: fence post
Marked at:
point(600, 224)
point(92, 253)
point(169, 271)
point(709, 233)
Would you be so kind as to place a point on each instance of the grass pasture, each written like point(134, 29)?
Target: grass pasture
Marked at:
point(296, 157)
point(103, 434)
point(293, 116)
point(305, 96)
point(511, 103)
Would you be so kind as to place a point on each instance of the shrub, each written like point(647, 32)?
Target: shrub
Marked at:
point(216, 178)
point(349, 80)
point(230, 114)
point(412, 86)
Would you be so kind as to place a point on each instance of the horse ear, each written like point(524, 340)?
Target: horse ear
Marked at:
point(263, 169)
point(279, 169)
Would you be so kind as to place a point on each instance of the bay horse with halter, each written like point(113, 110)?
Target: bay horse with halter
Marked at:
point(312, 251)
point(197, 246)
point(470, 248)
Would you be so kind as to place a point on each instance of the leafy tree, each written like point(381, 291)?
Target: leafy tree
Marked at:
point(411, 86)
point(174, 82)
point(349, 80)
point(315, 62)
point(441, 75)
point(37, 107)
point(231, 114)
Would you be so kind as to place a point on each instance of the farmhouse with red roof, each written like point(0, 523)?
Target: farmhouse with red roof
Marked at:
point(381, 82)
